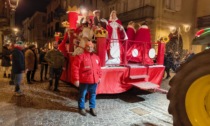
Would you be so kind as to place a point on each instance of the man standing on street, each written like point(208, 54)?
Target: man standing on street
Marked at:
point(56, 61)
point(86, 72)
point(18, 66)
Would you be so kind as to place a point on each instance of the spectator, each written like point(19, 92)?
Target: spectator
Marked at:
point(190, 55)
point(168, 63)
point(18, 66)
point(30, 63)
point(36, 55)
point(44, 65)
point(176, 63)
point(56, 61)
point(86, 72)
point(6, 62)
point(11, 48)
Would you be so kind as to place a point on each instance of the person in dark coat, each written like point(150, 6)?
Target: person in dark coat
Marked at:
point(6, 61)
point(44, 65)
point(168, 63)
point(18, 66)
point(56, 61)
point(97, 19)
point(189, 56)
point(11, 48)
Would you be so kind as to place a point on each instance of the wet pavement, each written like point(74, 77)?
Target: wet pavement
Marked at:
point(40, 106)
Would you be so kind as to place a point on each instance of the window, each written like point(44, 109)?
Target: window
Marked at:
point(174, 5)
point(125, 6)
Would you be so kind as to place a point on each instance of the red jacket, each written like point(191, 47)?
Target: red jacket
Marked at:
point(86, 68)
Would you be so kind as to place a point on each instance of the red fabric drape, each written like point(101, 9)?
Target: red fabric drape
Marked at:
point(160, 55)
point(62, 45)
point(101, 50)
point(73, 17)
point(142, 45)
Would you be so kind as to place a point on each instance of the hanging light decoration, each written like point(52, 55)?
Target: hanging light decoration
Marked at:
point(13, 4)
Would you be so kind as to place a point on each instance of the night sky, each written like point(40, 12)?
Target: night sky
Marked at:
point(26, 8)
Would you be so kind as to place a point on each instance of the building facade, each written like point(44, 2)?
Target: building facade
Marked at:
point(35, 29)
point(25, 29)
point(5, 20)
point(56, 14)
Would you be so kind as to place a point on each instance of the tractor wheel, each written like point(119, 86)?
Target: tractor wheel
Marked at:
point(189, 94)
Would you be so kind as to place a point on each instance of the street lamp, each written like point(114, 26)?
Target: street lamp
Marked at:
point(15, 30)
point(13, 4)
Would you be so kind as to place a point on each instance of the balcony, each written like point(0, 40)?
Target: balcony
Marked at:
point(4, 15)
point(4, 22)
point(203, 21)
point(138, 14)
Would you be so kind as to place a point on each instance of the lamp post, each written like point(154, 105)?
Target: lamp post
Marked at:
point(13, 4)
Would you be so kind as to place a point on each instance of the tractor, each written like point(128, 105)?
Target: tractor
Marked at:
point(189, 92)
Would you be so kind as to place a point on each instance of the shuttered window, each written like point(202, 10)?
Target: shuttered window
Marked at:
point(174, 5)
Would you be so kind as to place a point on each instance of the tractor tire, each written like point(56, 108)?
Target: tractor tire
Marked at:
point(189, 94)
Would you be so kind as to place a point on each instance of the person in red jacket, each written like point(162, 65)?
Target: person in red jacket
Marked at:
point(86, 74)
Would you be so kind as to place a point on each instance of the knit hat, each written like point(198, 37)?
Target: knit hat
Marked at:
point(19, 44)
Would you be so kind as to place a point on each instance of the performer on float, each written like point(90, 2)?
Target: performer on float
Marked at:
point(97, 19)
point(131, 32)
point(138, 52)
point(86, 19)
point(83, 37)
point(115, 33)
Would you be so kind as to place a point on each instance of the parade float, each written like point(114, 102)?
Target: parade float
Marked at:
point(189, 94)
point(122, 76)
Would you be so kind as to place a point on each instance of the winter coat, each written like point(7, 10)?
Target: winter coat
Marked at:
point(6, 61)
point(131, 33)
point(86, 68)
point(168, 60)
point(18, 65)
point(55, 58)
point(41, 58)
point(30, 59)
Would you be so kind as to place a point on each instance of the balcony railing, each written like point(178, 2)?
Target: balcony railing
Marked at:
point(203, 21)
point(4, 22)
point(140, 14)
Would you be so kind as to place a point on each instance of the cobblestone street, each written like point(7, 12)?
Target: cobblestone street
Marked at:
point(42, 107)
